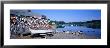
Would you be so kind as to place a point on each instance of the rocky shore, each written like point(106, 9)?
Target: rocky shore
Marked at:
point(58, 35)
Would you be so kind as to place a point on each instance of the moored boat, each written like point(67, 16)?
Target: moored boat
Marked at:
point(40, 31)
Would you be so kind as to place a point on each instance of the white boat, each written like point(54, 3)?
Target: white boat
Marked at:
point(40, 31)
point(67, 32)
point(71, 25)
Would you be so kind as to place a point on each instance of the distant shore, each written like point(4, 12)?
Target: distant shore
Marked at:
point(58, 35)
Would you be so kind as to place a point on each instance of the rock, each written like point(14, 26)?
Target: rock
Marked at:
point(80, 32)
point(73, 33)
point(77, 33)
point(26, 34)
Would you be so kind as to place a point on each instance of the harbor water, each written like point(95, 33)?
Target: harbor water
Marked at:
point(87, 31)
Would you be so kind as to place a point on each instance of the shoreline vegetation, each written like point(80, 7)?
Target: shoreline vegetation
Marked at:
point(90, 24)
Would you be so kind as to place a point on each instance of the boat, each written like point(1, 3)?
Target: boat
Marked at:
point(60, 26)
point(40, 31)
point(71, 25)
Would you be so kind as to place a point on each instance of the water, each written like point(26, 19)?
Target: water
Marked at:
point(87, 31)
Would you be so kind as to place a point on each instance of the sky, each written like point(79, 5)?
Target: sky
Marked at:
point(70, 15)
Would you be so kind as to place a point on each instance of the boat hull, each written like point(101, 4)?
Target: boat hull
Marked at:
point(40, 31)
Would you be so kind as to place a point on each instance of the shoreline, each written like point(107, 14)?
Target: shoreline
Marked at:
point(58, 35)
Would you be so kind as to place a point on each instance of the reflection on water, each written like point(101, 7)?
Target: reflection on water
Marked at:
point(87, 31)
